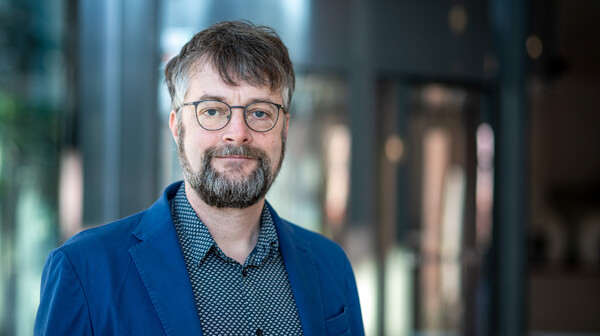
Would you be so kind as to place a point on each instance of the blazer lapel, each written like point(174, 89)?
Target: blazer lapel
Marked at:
point(161, 265)
point(302, 272)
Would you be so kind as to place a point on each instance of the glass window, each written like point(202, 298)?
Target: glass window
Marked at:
point(33, 106)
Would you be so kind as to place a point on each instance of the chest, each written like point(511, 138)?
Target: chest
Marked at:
point(233, 299)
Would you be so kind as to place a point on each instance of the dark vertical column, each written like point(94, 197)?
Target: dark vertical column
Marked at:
point(470, 265)
point(363, 166)
point(509, 19)
point(112, 113)
point(71, 37)
point(139, 104)
point(402, 121)
point(118, 63)
point(92, 109)
point(362, 119)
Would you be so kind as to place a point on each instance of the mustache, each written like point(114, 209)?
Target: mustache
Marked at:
point(233, 150)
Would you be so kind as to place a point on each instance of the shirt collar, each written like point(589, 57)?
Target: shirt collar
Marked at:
point(201, 242)
point(267, 243)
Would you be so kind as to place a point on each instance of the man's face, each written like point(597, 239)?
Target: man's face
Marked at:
point(234, 166)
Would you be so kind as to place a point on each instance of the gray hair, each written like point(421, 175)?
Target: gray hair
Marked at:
point(240, 52)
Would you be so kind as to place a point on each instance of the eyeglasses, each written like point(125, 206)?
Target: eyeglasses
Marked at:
point(213, 115)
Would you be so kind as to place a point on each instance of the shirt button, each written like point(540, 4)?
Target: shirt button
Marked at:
point(245, 274)
point(259, 332)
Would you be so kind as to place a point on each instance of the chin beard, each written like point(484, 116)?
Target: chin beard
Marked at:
point(230, 189)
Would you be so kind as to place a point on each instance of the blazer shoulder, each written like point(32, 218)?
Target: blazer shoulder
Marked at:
point(122, 232)
point(107, 238)
point(316, 242)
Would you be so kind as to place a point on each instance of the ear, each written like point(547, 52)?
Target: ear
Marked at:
point(173, 125)
point(286, 123)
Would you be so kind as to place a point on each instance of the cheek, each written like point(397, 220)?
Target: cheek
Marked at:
point(276, 147)
point(193, 148)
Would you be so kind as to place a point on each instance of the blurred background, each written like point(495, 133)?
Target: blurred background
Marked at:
point(451, 147)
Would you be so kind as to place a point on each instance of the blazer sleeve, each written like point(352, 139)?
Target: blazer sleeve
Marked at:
point(356, 322)
point(63, 306)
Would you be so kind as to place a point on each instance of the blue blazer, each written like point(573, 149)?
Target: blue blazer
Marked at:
point(129, 278)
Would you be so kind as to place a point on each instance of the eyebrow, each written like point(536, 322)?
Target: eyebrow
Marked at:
point(210, 97)
point(223, 99)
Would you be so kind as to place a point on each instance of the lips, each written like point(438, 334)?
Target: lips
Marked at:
point(234, 161)
point(233, 157)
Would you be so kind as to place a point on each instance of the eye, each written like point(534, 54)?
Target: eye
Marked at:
point(211, 112)
point(259, 114)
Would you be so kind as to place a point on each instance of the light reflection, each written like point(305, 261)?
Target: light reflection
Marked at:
point(458, 19)
point(337, 145)
point(436, 152)
point(484, 184)
point(296, 26)
point(70, 193)
point(452, 230)
point(399, 293)
point(394, 148)
point(435, 96)
point(365, 272)
point(172, 39)
point(34, 223)
point(534, 46)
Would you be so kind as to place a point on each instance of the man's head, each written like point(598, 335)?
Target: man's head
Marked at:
point(236, 64)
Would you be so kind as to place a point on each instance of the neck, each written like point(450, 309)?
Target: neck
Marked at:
point(234, 230)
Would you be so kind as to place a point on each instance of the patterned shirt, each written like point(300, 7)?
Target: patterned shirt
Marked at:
point(233, 299)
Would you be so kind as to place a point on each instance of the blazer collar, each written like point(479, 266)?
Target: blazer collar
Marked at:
point(161, 265)
point(302, 272)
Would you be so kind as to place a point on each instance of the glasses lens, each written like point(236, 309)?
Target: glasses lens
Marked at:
point(212, 114)
point(261, 116)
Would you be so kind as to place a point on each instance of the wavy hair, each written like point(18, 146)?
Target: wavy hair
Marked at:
point(240, 52)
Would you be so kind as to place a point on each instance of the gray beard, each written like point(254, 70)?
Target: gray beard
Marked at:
point(221, 191)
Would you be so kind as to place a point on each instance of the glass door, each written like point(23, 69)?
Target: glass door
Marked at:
point(435, 206)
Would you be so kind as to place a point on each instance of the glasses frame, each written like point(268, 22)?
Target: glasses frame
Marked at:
point(196, 103)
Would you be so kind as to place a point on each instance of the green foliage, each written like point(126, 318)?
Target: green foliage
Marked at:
point(29, 139)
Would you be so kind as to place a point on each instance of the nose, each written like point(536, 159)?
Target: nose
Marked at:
point(237, 131)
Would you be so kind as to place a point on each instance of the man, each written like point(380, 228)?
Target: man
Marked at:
point(210, 257)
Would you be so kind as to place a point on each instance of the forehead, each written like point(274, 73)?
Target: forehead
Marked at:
point(205, 79)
